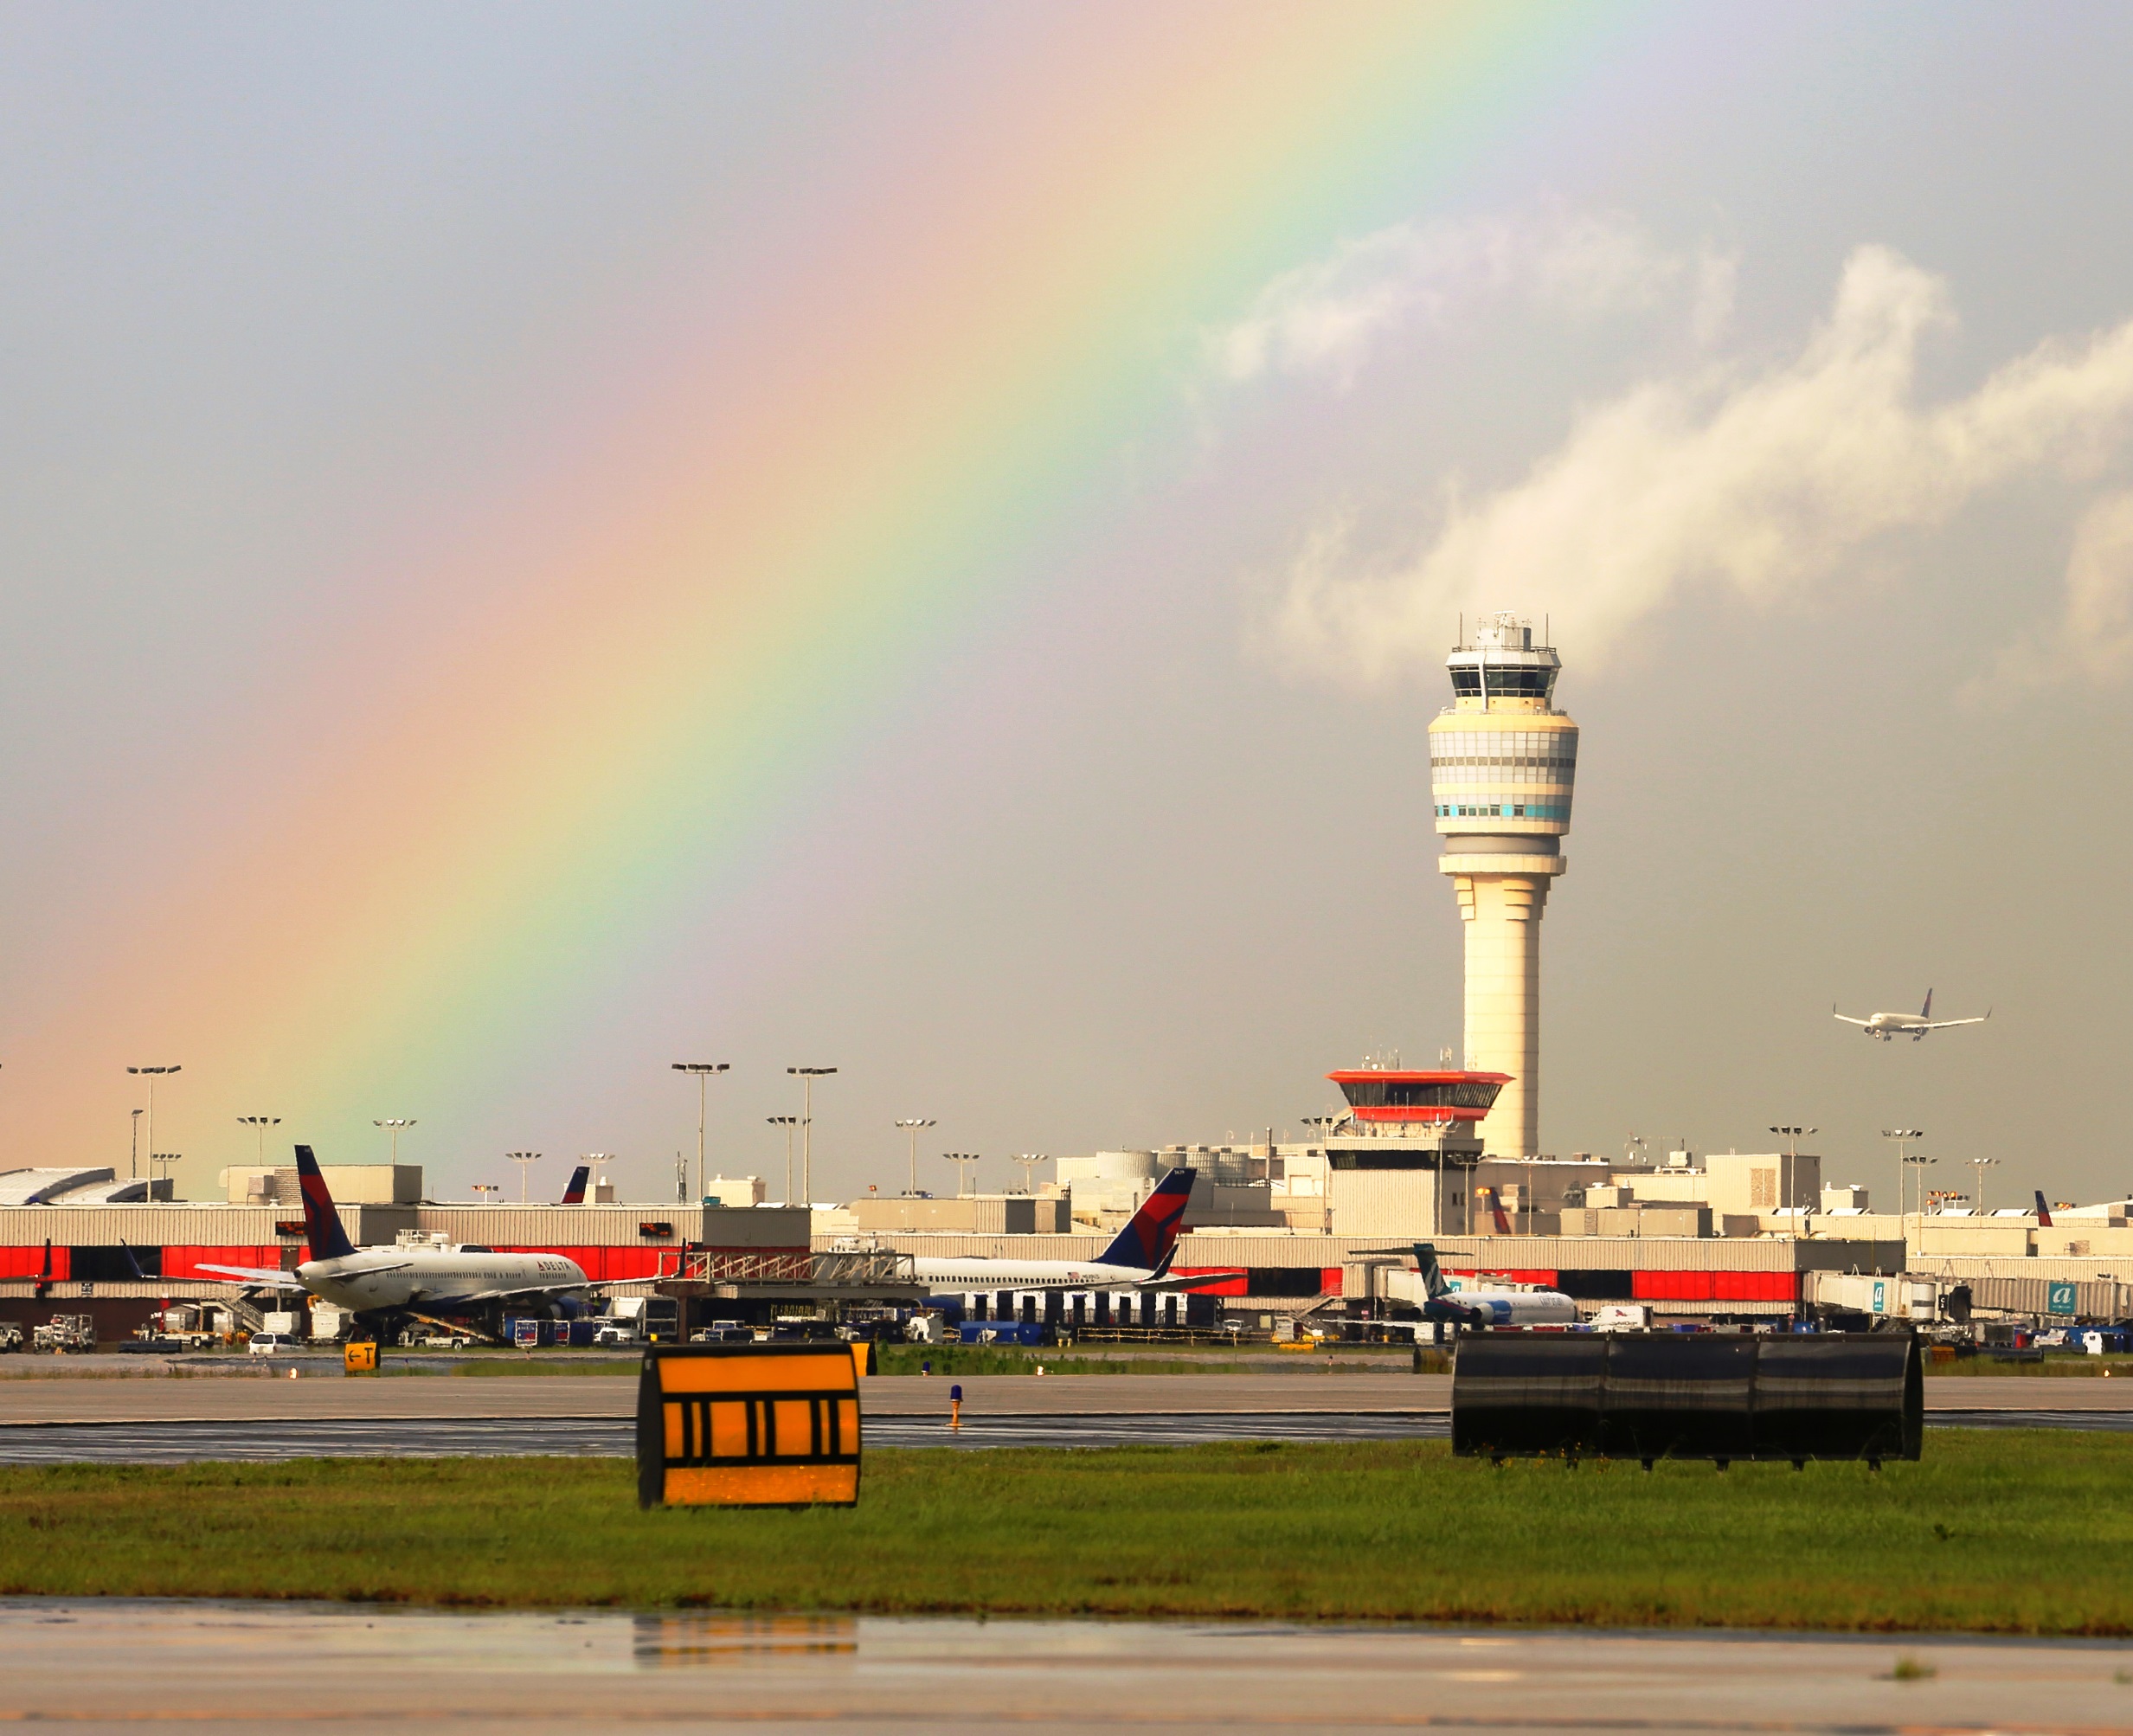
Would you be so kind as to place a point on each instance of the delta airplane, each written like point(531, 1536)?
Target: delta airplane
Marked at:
point(1890, 1025)
point(386, 1280)
point(1488, 1307)
point(1138, 1259)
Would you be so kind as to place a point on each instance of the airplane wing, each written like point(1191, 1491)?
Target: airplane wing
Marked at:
point(256, 1276)
point(1944, 1024)
point(524, 1290)
point(1846, 1017)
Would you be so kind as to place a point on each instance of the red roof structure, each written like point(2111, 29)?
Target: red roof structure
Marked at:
point(1385, 1095)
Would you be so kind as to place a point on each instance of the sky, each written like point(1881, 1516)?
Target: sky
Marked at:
point(540, 542)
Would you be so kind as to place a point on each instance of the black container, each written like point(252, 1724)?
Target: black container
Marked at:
point(1634, 1395)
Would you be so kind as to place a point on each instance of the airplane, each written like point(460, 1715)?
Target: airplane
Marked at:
point(1487, 1308)
point(575, 1194)
point(2044, 1213)
point(1138, 1259)
point(404, 1280)
point(1890, 1025)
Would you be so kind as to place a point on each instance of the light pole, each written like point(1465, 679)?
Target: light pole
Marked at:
point(1977, 1199)
point(168, 1160)
point(599, 1160)
point(133, 1158)
point(1790, 1169)
point(152, 1074)
point(1028, 1160)
point(485, 1188)
point(393, 1127)
point(808, 1076)
point(524, 1160)
point(912, 1128)
point(1903, 1136)
point(962, 1159)
point(788, 1122)
point(703, 1069)
point(261, 1123)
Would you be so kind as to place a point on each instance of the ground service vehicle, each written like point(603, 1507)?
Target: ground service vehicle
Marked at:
point(65, 1332)
point(273, 1343)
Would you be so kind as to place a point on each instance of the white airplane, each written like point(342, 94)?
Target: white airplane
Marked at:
point(1488, 1307)
point(1890, 1025)
point(1138, 1258)
point(406, 1280)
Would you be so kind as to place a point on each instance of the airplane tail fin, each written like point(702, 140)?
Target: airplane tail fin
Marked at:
point(575, 1194)
point(132, 1260)
point(322, 1223)
point(1496, 1206)
point(1150, 1239)
point(1926, 1011)
point(1433, 1284)
point(2044, 1211)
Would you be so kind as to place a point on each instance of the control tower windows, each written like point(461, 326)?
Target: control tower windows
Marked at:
point(1531, 750)
point(1503, 810)
point(1395, 1092)
point(1502, 681)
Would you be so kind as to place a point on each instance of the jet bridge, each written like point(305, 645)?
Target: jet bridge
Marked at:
point(872, 1276)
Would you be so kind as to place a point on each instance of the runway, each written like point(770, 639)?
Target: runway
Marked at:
point(229, 1399)
point(182, 1442)
point(108, 1665)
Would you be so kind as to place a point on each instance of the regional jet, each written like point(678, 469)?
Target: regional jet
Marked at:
point(1487, 1308)
point(1890, 1025)
point(1138, 1259)
point(407, 1280)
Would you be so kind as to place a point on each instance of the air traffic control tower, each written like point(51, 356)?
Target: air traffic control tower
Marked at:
point(1502, 761)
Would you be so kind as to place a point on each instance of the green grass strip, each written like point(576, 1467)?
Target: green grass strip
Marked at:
point(2003, 1532)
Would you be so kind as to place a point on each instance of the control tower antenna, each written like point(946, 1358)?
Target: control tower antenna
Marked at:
point(1502, 763)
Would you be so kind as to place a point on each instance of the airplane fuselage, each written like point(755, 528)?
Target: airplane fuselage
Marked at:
point(1503, 1308)
point(1886, 1025)
point(429, 1278)
point(973, 1276)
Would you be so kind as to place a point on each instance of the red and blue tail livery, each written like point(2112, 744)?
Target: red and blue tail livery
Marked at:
point(322, 1223)
point(575, 1194)
point(1151, 1237)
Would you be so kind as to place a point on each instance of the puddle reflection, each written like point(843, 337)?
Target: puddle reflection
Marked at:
point(697, 1639)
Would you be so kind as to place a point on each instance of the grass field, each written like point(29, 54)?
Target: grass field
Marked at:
point(2001, 1532)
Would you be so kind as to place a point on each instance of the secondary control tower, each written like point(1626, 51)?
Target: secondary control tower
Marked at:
point(1502, 761)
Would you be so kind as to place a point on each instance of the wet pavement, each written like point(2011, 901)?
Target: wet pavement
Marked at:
point(114, 1665)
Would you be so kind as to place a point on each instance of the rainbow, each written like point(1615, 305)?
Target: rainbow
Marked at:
point(468, 814)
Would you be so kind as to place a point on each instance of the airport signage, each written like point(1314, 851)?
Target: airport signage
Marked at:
point(748, 1425)
point(2059, 1298)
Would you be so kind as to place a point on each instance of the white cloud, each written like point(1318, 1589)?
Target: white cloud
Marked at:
point(1762, 482)
point(1323, 319)
point(2094, 637)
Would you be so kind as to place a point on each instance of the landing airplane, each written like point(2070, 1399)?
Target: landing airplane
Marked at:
point(404, 1280)
point(1488, 1307)
point(1138, 1259)
point(1890, 1025)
